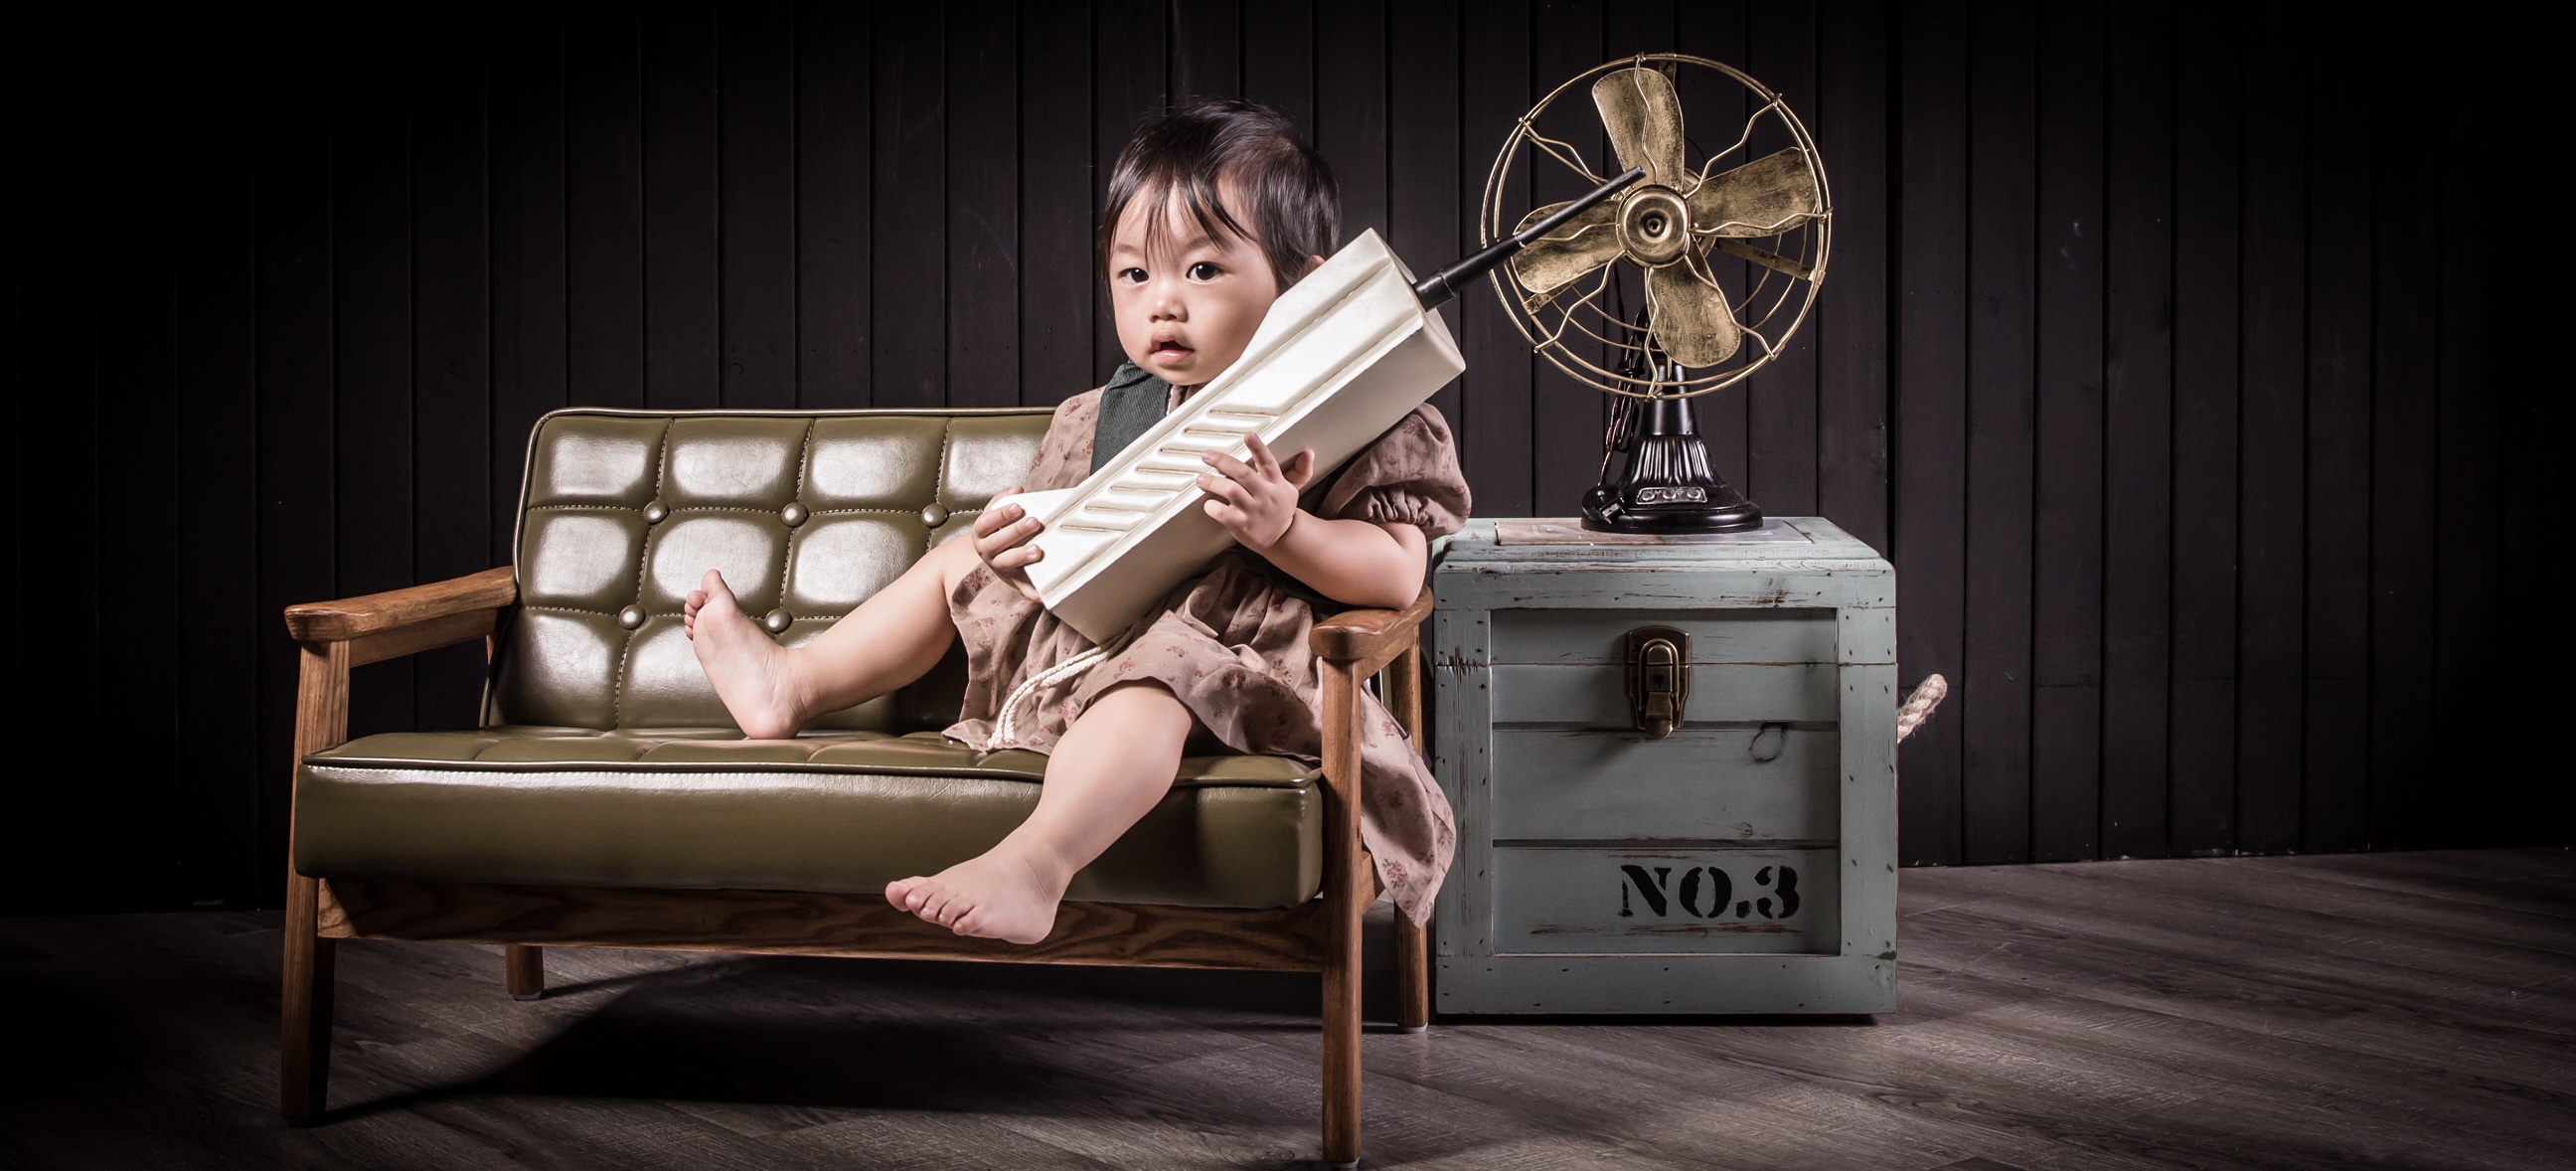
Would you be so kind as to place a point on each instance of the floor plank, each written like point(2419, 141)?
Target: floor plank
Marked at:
point(2410, 1010)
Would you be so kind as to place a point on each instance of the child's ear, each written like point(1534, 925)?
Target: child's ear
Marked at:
point(1313, 262)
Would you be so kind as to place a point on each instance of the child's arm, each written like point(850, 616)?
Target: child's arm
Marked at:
point(1356, 562)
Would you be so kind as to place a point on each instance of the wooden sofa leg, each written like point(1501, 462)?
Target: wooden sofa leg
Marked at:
point(1348, 885)
point(304, 1053)
point(1412, 974)
point(524, 966)
point(1342, 1049)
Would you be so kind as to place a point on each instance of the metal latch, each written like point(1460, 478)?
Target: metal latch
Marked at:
point(1658, 678)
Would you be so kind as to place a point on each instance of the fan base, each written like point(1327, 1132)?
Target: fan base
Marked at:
point(1603, 512)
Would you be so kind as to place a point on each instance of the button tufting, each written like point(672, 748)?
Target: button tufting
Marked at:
point(655, 513)
point(631, 617)
point(793, 514)
point(934, 515)
point(776, 621)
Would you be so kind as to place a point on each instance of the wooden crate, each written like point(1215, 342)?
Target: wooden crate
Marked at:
point(1745, 864)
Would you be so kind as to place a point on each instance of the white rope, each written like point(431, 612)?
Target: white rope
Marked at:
point(1003, 730)
point(1918, 706)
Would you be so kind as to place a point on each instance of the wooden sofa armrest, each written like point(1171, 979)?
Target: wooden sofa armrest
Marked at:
point(1369, 639)
point(351, 618)
point(407, 621)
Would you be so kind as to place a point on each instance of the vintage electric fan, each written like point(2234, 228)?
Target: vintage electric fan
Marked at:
point(1358, 343)
point(1684, 284)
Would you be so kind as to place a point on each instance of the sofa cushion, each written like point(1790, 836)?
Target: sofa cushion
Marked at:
point(807, 513)
point(701, 809)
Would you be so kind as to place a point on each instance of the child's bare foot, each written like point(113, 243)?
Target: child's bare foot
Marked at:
point(1000, 894)
point(748, 669)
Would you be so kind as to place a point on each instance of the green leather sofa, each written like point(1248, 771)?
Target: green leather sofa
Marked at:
point(608, 800)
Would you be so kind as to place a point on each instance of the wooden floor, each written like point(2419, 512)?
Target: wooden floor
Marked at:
point(2408, 1010)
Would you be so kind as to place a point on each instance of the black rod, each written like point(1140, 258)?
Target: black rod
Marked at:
point(1438, 288)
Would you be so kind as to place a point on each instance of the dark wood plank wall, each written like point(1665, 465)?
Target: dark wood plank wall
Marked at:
point(2164, 351)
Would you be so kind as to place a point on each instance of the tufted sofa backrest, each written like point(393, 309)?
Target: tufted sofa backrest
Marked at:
point(807, 513)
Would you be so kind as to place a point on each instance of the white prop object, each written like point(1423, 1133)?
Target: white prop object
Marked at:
point(1342, 356)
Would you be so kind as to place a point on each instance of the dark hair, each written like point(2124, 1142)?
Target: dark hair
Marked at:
point(1185, 155)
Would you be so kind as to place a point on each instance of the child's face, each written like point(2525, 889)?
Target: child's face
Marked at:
point(1187, 308)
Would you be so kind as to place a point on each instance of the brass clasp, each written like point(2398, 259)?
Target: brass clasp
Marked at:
point(1658, 678)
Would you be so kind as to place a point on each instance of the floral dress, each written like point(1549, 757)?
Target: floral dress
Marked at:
point(1231, 644)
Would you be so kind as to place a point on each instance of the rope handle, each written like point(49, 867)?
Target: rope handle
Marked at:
point(1918, 706)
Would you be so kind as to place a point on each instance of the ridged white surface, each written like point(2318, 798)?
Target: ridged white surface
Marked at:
point(1342, 356)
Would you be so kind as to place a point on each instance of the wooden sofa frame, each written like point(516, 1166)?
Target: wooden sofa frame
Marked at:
point(1321, 936)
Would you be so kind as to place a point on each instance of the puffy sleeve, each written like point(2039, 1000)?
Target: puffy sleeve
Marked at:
point(1064, 456)
point(1409, 476)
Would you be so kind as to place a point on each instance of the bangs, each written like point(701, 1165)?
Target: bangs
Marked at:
point(1200, 201)
point(1187, 159)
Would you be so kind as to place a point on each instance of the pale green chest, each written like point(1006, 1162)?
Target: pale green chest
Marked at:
point(1743, 864)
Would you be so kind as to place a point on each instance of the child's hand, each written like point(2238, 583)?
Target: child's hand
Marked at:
point(1256, 501)
point(1002, 542)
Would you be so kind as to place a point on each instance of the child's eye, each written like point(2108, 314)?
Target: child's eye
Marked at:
point(1133, 276)
point(1204, 271)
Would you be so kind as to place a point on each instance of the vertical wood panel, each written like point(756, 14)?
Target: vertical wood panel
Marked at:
point(451, 352)
point(293, 415)
point(1207, 50)
point(908, 202)
point(2336, 760)
point(2405, 262)
point(833, 212)
point(2066, 570)
point(1425, 159)
point(1494, 49)
point(1714, 116)
point(2272, 434)
point(2469, 581)
point(1930, 533)
point(983, 209)
point(371, 336)
point(757, 198)
point(2206, 150)
point(1851, 324)
point(1781, 440)
point(1058, 284)
point(220, 632)
point(139, 443)
point(2001, 366)
point(529, 304)
point(2137, 400)
point(681, 314)
point(1279, 58)
point(1565, 417)
point(1127, 61)
point(1351, 110)
point(1645, 26)
point(604, 213)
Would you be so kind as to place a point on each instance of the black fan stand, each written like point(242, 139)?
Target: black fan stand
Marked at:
point(1666, 485)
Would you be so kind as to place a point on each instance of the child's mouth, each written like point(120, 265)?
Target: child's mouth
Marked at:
point(1173, 352)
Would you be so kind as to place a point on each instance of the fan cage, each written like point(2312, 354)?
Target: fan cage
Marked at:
point(1813, 248)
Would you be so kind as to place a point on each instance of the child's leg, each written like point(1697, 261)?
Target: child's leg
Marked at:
point(1106, 774)
point(892, 639)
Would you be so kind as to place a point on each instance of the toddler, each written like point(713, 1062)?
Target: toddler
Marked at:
point(1213, 210)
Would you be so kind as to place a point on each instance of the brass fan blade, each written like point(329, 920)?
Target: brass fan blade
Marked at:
point(1568, 254)
point(1692, 320)
point(1644, 118)
point(1765, 197)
